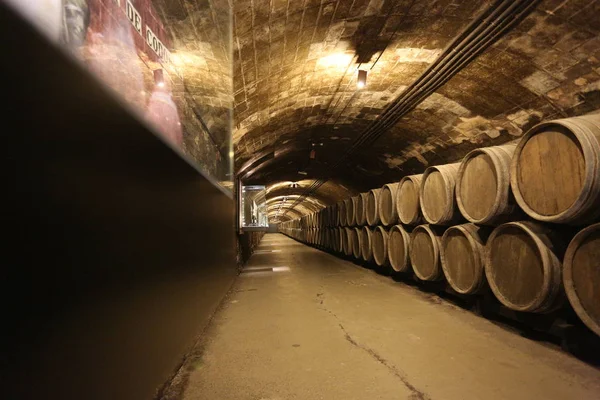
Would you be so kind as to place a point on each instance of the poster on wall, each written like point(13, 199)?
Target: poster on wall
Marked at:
point(124, 44)
point(185, 94)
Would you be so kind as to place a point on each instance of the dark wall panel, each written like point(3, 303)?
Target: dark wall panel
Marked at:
point(247, 243)
point(118, 250)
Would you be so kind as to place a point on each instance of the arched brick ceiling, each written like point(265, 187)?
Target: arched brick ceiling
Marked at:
point(284, 193)
point(295, 68)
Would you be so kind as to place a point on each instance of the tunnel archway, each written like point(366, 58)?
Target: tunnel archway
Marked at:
point(295, 86)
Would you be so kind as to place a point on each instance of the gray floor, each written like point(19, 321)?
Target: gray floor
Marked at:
point(328, 329)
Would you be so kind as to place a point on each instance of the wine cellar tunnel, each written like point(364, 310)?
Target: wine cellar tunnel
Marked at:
point(302, 199)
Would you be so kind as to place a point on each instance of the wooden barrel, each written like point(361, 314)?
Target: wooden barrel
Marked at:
point(373, 207)
point(483, 185)
point(523, 266)
point(331, 239)
point(463, 257)
point(555, 170)
point(581, 276)
point(349, 243)
point(333, 216)
point(348, 212)
point(351, 211)
point(388, 214)
point(407, 200)
point(344, 241)
point(341, 213)
point(356, 243)
point(361, 209)
point(366, 251)
point(438, 204)
point(379, 245)
point(425, 242)
point(339, 239)
point(399, 249)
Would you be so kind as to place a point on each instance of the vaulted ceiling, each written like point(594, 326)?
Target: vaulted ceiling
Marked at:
point(295, 71)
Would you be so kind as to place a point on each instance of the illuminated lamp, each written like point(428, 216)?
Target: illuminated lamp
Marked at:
point(361, 82)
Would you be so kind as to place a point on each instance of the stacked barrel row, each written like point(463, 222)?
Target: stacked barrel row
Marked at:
point(503, 218)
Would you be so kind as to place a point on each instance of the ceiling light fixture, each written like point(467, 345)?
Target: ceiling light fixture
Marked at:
point(361, 82)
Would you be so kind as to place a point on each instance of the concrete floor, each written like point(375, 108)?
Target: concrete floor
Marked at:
point(328, 329)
